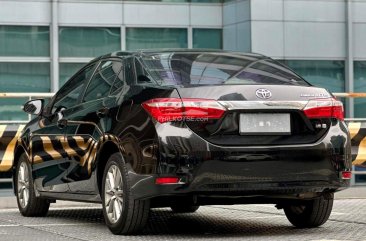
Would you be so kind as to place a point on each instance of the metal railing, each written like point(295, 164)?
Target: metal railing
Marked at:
point(351, 95)
point(6, 180)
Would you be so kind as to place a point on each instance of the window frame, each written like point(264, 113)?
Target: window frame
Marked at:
point(153, 82)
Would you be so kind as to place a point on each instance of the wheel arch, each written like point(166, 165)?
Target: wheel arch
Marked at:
point(19, 150)
point(106, 150)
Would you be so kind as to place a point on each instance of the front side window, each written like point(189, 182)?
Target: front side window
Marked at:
point(106, 74)
point(69, 94)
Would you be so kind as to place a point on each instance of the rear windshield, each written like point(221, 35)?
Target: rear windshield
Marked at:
point(188, 69)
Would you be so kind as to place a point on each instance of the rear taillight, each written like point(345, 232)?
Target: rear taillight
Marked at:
point(176, 109)
point(324, 108)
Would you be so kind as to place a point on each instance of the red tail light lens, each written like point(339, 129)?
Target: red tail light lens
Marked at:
point(176, 109)
point(324, 108)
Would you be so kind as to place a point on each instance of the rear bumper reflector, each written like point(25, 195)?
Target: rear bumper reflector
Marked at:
point(167, 180)
point(346, 175)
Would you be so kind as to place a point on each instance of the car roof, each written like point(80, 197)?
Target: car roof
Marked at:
point(153, 52)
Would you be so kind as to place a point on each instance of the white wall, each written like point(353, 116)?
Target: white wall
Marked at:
point(112, 13)
point(237, 26)
point(359, 29)
point(25, 12)
point(304, 29)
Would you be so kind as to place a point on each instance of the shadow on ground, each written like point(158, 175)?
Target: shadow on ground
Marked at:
point(196, 225)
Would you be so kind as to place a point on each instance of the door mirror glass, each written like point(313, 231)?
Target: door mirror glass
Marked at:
point(34, 107)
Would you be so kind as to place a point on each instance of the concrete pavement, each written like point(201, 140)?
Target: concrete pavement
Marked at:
point(240, 222)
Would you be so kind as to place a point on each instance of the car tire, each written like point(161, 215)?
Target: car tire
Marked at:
point(312, 213)
point(181, 208)
point(29, 205)
point(122, 213)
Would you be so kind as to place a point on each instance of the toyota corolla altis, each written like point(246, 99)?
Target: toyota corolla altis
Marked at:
point(182, 129)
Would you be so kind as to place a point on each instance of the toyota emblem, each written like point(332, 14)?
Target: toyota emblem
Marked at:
point(263, 93)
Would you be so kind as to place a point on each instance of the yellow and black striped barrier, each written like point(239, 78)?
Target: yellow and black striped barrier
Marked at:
point(8, 138)
point(9, 135)
point(358, 142)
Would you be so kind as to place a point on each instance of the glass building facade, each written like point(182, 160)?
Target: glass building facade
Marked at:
point(25, 67)
point(77, 45)
point(325, 73)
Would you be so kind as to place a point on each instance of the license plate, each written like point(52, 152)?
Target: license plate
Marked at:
point(265, 124)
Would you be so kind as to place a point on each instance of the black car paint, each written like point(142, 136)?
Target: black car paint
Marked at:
point(210, 172)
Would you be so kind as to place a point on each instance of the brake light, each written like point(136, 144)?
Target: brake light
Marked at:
point(176, 109)
point(324, 108)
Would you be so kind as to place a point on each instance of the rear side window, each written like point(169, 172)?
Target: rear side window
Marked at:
point(125, 77)
point(187, 69)
point(103, 79)
point(143, 77)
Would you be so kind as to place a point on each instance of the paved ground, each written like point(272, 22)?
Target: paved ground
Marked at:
point(241, 222)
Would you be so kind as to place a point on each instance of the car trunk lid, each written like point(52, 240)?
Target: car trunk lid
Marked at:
point(260, 115)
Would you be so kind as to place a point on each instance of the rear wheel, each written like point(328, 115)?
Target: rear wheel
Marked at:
point(312, 213)
point(122, 213)
point(29, 205)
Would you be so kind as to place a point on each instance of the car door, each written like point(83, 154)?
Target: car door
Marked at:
point(50, 157)
point(93, 118)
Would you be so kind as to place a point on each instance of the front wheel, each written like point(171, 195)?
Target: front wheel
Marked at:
point(122, 213)
point(310, 214)
point(29, 205)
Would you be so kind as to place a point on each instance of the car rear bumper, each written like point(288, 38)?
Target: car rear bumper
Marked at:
point(221, 184)
point(207, 169)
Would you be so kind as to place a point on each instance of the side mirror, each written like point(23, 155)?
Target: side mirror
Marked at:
point(33, 107)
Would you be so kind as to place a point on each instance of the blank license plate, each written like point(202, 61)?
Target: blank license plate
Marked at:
point(265, 124)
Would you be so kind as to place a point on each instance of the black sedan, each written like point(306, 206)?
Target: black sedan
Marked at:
point(181, 129)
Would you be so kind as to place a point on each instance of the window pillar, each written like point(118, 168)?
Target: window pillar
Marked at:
point(54, 46)
point(349, 60)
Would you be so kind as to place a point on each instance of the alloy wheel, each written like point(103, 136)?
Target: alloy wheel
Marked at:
point(23, 185)
point(113, 196)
